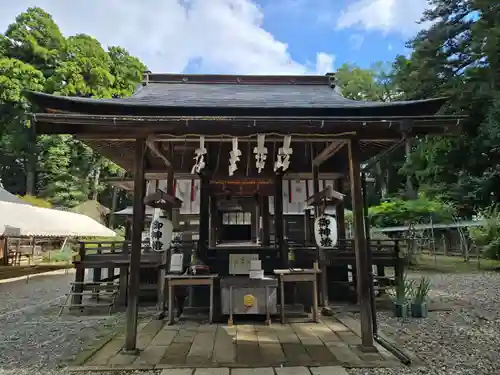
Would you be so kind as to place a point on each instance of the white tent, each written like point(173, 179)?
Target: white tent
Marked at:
point(21, 220)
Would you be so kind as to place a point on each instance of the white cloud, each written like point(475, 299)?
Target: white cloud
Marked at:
point(384, 15)
point(324, 63)
point(220, 35)
point(356, 41)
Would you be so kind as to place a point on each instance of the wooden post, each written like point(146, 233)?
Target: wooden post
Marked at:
point(204, 217)
point(265, 221)
point(214, 221)
point(278, 220)
point(363, 279)
point(255, 222)
point(320, 253)
point(79, 277)
point(369, 255)
point(4, 249)
point(135, 256)
point(307, 227)
point(340, 213)
point(164, 256)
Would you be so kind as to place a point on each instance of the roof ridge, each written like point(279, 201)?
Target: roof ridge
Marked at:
point(240, 79)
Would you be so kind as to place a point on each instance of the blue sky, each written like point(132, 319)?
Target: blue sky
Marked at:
point(240, 36)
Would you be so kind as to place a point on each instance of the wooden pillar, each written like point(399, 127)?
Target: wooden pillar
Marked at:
point(278, 220)
point(320, 253)
point(340, 213)
point(128, 229)
point(363, 279)
point(265, 221)
point(135, 256)
point(214, 221)
point(161, 296)
point(307, 227)
point(204, 217)
point(4, 249)
point(255, 222)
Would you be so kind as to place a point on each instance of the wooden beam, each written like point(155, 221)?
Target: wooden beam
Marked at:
point(360, 244)
point(327, 195)
point(328, 152)
point(135, 256)
point(383, 154)
point(157, 152)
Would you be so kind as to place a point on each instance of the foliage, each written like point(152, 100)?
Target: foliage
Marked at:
point(457, 56)
point(34, 201)
point(403, 292)
point(487, 235)
point(397, 211)
point(421, 291)
point(34, 55)
point(60, 256)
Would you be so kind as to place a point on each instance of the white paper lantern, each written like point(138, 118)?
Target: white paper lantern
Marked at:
point(161, 231)
point(325, 231)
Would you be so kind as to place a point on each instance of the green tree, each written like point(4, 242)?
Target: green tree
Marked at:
point(34, 38)
point(16, 147)
point(34, 55)
point(457, 57)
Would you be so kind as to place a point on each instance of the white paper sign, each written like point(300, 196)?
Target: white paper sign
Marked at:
point(176, 262)
point(239, 264)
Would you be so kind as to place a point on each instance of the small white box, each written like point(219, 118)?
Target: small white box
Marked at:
point(255, 265)
point(257, 274)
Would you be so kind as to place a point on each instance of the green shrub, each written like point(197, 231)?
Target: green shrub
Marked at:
point(402, 212)
point(487, 235)
point(57, 256)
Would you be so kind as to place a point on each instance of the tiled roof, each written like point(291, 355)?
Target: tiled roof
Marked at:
point(210, 91)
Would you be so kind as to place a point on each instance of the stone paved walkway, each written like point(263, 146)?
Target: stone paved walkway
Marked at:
point(190, 345)
point(299, 370)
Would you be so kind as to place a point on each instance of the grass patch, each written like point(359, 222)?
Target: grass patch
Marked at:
point(57, 256)
point(447, 264)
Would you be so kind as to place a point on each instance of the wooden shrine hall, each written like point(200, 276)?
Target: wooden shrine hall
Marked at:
point(255, 146)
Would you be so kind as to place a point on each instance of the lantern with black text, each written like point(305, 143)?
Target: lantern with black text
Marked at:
point(161, 231)
point(325, 231)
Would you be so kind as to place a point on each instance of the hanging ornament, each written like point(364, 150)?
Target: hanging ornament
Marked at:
point(260, 152)
point(161, 231)
point(283, 157)
point(199, 157)
point(325, 231)
point(234, 157)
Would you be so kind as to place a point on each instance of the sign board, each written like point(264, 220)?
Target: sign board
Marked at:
point(242, 186)
point(239, 264)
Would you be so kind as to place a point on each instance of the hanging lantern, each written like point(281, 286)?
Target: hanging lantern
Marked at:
point(325, 231)
point(161, 231)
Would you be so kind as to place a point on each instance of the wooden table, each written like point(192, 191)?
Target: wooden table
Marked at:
point(302, 275)
point(189, 280)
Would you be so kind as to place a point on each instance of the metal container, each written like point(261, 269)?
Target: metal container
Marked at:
point(249, 296)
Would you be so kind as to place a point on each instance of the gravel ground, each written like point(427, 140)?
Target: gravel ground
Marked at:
point(32, 339)
point(463, 341)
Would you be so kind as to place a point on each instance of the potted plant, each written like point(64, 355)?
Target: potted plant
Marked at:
point(419, 308)
point(401, 298)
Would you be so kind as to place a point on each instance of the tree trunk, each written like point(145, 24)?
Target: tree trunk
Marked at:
point(410, 189)
point(31, 163)
point(114, 203)
point(382, 180)
point(95, 187)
